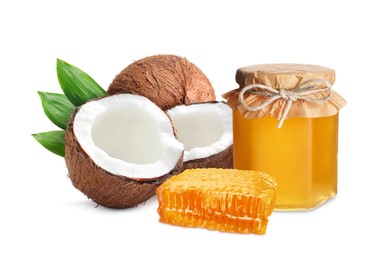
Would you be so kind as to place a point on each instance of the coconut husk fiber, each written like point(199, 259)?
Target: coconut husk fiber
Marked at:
point(167, 80)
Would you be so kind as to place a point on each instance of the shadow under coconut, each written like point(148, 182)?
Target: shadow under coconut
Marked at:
point(89, 204)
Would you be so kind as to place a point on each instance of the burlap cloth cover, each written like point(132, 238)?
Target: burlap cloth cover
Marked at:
point(285, 91)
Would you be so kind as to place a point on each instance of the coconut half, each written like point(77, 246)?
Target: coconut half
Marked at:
point(205, 129)
point(119, 148)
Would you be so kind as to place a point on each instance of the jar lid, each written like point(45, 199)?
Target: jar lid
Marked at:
point(282, 76)
point(285, 91)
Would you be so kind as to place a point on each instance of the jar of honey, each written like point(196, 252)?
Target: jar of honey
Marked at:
point(285, 123)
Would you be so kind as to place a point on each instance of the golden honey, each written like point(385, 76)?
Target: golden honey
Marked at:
point(285, 123)
point(302, 155)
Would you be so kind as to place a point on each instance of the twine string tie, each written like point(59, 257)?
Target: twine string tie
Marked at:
point(304, 91)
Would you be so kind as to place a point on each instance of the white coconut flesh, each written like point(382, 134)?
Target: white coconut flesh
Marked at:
point(128, 135)
point(205, 129)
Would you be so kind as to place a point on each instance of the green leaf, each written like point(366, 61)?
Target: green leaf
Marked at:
point(57, 108)
point(52, 141)
point(76, 84)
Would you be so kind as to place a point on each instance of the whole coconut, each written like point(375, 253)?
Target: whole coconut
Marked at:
point(167, 80)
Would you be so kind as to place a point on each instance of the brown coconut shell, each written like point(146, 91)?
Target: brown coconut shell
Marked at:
point(101, 186)
point(167, 80)
point(223, 160)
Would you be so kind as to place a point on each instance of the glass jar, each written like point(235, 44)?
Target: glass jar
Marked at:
point(285, 123)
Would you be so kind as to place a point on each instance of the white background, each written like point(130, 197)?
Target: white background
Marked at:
point(44, 217)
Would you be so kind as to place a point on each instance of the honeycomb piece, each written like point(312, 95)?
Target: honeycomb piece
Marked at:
point(220, 199)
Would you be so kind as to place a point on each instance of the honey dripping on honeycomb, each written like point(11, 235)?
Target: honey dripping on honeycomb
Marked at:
point(219, 199)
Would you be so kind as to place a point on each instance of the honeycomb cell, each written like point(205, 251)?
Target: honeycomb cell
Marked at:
point(219, 199)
